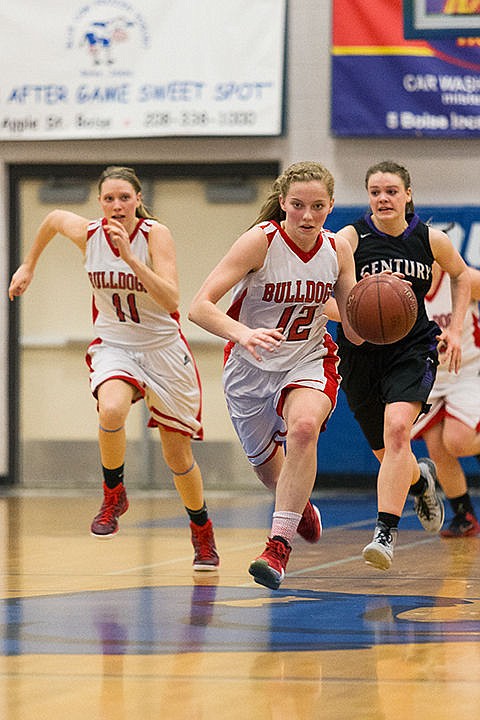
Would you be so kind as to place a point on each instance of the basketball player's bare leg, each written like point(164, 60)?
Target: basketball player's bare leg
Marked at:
point(447, 441)
point(459, 439)
point(400, 473)
point(187, 477)
point(269, 472)
point(292, 476)
point(450, 473)
point(305, 411)
point(398, 466)
point(114, 402)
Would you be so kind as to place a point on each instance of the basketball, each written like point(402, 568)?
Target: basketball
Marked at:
point(382, 309)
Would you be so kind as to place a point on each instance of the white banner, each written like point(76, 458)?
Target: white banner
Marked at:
point(112, 68)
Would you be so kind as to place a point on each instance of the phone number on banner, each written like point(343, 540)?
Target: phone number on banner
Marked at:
point(199, 118)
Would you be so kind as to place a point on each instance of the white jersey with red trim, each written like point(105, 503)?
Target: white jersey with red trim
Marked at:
point(123, 312)
point(454, 395)
point(288, 291)
point(438, 305)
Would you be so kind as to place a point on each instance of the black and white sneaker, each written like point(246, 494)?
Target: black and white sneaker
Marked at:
point(429, 506)
point(379, 552)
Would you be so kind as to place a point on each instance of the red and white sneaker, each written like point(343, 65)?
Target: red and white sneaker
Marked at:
point(462, 525)
point(115, 503)
point(310, 526)
point(269, 568)
point(206, 556)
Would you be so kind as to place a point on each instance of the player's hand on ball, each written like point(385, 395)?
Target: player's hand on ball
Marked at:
point(394, 273)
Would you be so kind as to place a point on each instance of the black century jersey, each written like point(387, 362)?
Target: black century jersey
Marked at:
point(408, 253)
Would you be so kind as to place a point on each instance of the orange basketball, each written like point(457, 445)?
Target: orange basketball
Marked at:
point(382, 309)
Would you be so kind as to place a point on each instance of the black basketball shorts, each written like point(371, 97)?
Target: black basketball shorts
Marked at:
point(372, 379)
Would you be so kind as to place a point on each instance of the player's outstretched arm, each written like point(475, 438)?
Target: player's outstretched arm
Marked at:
point(72, 226)
point(452, 262)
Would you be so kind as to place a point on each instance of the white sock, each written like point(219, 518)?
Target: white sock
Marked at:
point(285, 523)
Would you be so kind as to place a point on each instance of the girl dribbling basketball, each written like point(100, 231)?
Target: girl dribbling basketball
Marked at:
point(388, 386)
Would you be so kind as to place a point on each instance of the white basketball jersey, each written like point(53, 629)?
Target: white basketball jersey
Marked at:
point(123, 312)
point(439, 308)
point(288, 291)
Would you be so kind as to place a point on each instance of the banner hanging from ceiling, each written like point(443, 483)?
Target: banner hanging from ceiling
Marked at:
point(140, 68)
point(386, 85)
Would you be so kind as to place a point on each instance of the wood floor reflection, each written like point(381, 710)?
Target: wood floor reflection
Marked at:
point(124, 629)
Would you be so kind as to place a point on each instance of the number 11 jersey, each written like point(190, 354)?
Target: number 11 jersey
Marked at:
point(123, 312)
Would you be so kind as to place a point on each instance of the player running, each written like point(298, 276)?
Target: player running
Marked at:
point(280, 375)
point(387, 386)
point(139, 351)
